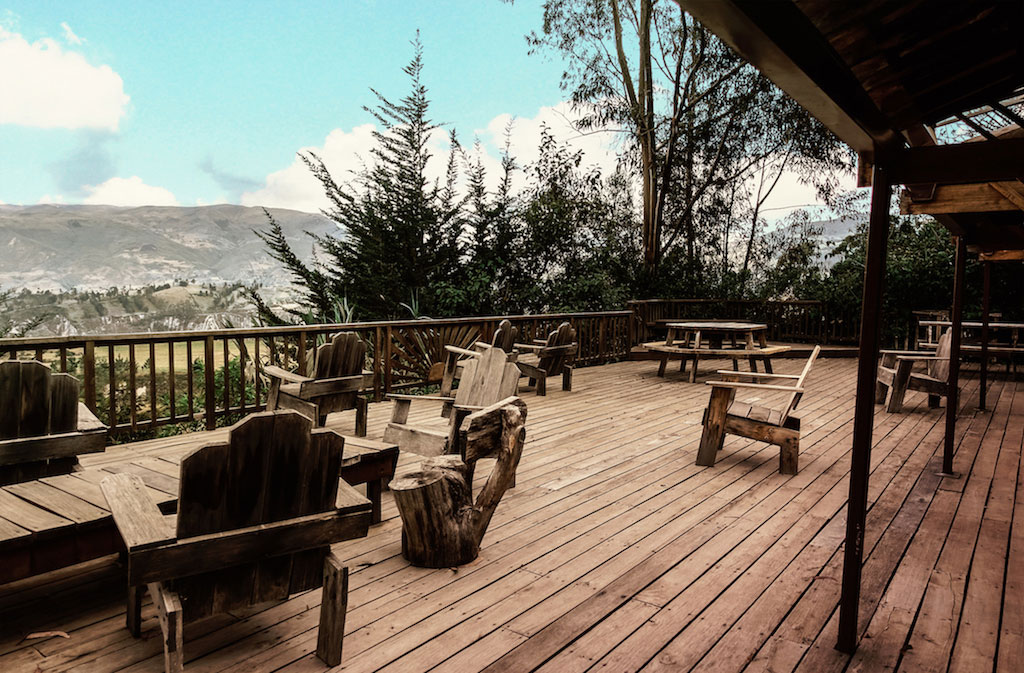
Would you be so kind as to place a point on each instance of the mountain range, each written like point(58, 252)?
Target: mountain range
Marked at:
point(60, 247)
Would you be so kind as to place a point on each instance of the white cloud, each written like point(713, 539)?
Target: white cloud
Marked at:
point(128, 192)
point(47, 87)
point(347, 152)
point(295, 187)
point(69, 35)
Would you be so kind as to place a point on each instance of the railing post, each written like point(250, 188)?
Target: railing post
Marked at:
point(387, 361)
point(209, 394)
point(89, 375)
point(602, 345)
point(302, 354)
point(377, 396)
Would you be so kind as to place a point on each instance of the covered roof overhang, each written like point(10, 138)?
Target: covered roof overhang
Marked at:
point(881, 74)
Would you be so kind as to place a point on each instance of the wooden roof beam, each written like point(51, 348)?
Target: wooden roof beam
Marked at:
point(780, 41)
point(984, 197)
point(957, 164)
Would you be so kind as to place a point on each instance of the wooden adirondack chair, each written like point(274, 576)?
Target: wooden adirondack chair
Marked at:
point(896, 374)
point(776, 426)
point(486, 379)
point(338, 377)
point(549, 357)
point(43, 426)
point(504, 338)
point(441, 525)
point(256, 518)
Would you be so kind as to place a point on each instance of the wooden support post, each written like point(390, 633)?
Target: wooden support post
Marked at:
point(867, 367)
point(953, 386)
point(986, 295)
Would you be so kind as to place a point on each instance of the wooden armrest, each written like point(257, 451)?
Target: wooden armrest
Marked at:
point(756, 386)
point(468, 407)
point(906, 353)
point(136, 516)
point(428, 398)
point(462, 351)
point(278, 373)
point(87, 421)
point(529, 347)
point(758, 375)
point(922, 358)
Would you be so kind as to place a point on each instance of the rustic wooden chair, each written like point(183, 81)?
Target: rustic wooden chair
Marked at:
point(256, 518)
point(486, 379)
point(504, 338)
point(549, 357)
point(43, 426)
point(773, 425)
point(896, 374)
point(441, 525)
point(337, 379)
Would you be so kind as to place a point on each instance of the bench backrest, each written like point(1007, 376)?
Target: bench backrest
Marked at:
point(939, 369)
point(35, 401)
point(553, 363)
point(273, 467)
point(794, 399)
point(487, 379)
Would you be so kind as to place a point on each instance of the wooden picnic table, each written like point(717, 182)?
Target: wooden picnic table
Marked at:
point(58, 521)
point(728, 339)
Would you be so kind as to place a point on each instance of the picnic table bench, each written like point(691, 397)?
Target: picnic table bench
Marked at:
point(58, 521)
point(734, 340)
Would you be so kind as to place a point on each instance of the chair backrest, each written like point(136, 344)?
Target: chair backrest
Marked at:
point(939, 369)
point(273, 467)
point(794, 399)
point(343, 355)
point(487, 379)
point(505, 336)
point(553, 363)
point(35, 401)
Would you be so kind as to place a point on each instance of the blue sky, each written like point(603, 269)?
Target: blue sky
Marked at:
point(222, 94)
point(194, 103)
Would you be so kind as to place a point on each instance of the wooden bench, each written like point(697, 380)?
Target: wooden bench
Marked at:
point(58, 521)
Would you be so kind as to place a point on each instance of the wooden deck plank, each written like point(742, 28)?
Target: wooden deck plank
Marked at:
point(615, 551)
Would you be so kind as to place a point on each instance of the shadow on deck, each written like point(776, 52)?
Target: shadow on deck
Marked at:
point(616, 552)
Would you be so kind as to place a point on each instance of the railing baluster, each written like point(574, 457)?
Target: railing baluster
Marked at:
point(227, 376)
point(190, 389)
point(152, 383)
point(131, 384)
point(256, 366)
point(111, 386)
point(172, 406)
point(63, 359)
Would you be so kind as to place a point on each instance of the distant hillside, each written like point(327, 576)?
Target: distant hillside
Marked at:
point(59, 247)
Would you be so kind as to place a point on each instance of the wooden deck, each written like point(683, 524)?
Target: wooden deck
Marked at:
point(617, 553)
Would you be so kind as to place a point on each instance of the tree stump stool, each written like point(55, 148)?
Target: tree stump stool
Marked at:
point(441, 525)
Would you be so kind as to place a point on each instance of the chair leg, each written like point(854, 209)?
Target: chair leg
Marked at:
point(881, 391)
point(332, 611)
point(567, 378)
point(661, 366)
point(714, 427)
point(789, 455)
point(133, 616)
point(933, 401)
point(542, 386)
point(168, 607)
point(362, 410)
point(373, 494)
point(899, 386)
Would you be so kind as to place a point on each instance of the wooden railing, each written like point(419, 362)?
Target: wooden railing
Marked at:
point(795, 320)
point(139, 382)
